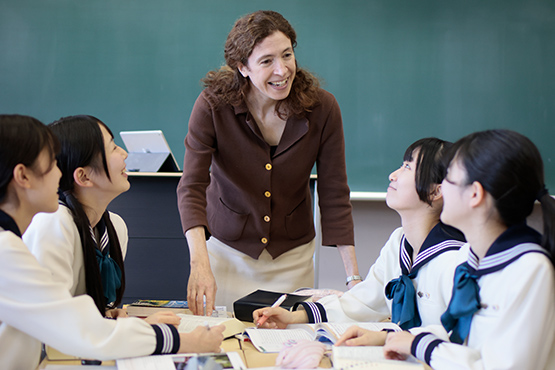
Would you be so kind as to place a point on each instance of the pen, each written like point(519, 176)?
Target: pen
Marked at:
point(277, 303)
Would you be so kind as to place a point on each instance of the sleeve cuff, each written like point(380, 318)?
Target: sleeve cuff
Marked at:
point(167, 339)
point(423, 346)
point(315, 311)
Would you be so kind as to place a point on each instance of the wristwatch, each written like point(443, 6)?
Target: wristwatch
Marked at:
point(353, 277)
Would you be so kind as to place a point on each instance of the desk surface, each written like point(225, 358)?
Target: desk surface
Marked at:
point(252, 358)
point(250, 355)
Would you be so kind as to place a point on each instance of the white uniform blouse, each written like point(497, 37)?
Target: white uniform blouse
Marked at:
point(514, 329)
point(366, 301)
point(34, 309)
point(54, 240)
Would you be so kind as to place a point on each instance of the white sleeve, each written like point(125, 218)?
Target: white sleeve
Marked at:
point(366, 301)
point(53, 239)
point(31, 302)
point(121, 231)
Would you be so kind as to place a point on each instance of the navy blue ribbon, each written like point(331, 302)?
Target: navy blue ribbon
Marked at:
point(465, 301)
point(110, 272)
point(404, 311)
point(514, 242)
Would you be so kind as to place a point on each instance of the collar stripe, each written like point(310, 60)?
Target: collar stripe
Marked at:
point(426, 255)
point(499, 260)
point(445, 245)
point(104, 240)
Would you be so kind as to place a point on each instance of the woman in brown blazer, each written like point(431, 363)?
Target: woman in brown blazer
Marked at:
point(255, 133)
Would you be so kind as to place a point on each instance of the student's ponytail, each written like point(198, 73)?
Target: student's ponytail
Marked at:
point(92, 271)
point(548, 214)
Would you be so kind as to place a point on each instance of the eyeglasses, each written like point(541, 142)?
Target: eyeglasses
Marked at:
point(454, 183)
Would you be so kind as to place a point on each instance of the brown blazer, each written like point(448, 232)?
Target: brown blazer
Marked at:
point(250, 199)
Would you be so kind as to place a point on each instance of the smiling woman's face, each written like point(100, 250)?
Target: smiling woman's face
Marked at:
point(271, 68)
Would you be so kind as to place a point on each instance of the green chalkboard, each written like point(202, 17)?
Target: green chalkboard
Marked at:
point(400, 69)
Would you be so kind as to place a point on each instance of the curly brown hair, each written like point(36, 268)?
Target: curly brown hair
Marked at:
point(229, 85)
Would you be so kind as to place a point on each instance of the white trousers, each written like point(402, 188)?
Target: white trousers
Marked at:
point(237, 274)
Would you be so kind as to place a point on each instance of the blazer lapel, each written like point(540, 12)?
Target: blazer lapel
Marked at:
point(295, 129)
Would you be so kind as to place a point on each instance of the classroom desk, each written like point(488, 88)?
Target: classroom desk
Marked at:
point(250, 355)
point(58, 358)
point(252, 358)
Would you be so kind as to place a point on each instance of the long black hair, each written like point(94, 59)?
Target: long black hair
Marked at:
point(22, 139)
point(509, 167)
point(82, 144)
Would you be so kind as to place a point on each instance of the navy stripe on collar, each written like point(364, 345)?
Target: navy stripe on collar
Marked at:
point(514, 235)
point(507, 248)
point(8, 223)
point(442, 238)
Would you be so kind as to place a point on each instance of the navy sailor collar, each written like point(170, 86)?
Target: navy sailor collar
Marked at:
point(514, 242)
point(442, 238)
point(8, 223)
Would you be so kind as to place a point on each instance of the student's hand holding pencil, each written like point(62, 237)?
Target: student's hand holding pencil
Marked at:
point(278, 318)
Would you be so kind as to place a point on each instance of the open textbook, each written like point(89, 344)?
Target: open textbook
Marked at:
point(273, 340)
point(232, 325)
point(368, 357)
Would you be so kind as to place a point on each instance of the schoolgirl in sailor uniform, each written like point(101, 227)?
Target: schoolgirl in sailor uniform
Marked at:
point(55, 241)
point(378, 298)
point(410, 283)
point(501, 313)
point(33, 306)
point(82, 243)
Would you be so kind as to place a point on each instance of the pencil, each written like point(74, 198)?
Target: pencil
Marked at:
point(277, 303)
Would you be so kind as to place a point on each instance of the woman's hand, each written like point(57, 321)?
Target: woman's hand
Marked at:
point(278, 318)
point(201, 280)
point(397, 345)
point(201, 284)
point(202, 339)
point(163, 317)
point(116, 313)
point(356, 336)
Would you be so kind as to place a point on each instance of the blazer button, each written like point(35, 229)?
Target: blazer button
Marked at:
point(267, 218)
point(267, 194)
point(264, 241)
point(268, 166)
